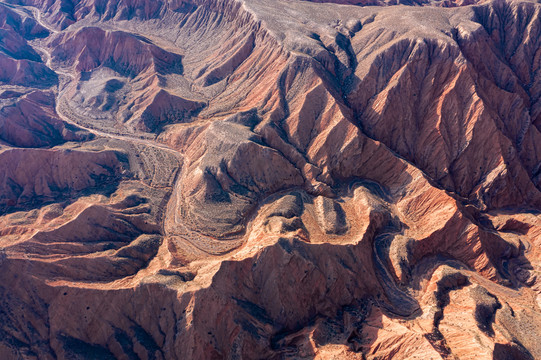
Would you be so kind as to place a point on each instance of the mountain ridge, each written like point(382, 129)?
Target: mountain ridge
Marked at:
point(219, 179)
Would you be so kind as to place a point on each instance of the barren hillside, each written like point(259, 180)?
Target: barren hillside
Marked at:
point(270, 179)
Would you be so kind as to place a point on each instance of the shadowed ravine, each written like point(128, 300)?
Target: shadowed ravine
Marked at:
point(226, 179)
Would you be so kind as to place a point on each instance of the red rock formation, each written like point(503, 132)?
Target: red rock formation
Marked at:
point(32, 122)
point(21, 64)
point(32, 175)
point(445, 3)
point(21, 23)
point(129, 55)
point(322, 180)
point(128, 62)
point(25, 73)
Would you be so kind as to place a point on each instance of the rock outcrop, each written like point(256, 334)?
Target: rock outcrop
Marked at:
point(210, 179)
point(31, 121)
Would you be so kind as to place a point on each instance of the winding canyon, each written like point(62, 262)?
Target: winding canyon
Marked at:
point(270, 179)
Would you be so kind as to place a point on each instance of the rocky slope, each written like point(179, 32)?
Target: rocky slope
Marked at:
point(208, 179)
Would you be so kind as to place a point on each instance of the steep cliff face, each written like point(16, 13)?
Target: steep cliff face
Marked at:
point(31, 121)
point(458, 107)
point(215, 179)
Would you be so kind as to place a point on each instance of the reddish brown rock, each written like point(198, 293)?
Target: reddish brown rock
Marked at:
point(25, 73)
point(36, 176)
point(32, 122)
point(323, 181)
point(21, 23)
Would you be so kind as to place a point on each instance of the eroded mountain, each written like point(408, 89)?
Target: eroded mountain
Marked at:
point(209, 179)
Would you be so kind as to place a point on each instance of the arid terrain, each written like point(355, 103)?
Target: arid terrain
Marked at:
point(270, 179)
